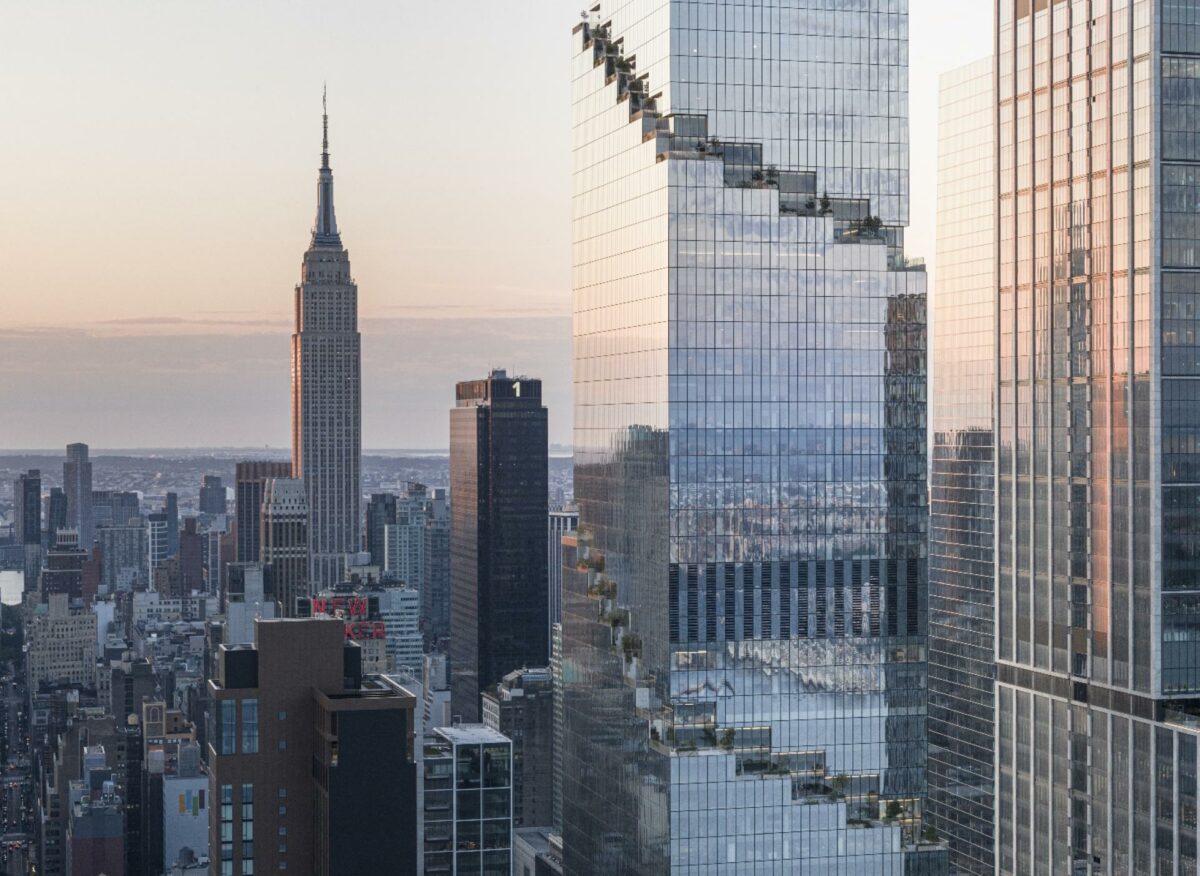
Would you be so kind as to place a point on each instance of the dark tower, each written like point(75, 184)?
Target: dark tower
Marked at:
point(499, 496)
point(27, 508)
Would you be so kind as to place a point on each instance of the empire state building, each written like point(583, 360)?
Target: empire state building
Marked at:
point(326, 391)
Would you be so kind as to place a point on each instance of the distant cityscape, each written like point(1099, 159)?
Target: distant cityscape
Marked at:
point(841, 574)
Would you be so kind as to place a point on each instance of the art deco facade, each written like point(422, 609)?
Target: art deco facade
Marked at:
point(962, 496)
point(326, 393)
point(1097, 467)
point(744, 634)
point(284, 540)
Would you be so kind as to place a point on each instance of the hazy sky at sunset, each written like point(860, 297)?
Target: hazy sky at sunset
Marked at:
point(159, 174)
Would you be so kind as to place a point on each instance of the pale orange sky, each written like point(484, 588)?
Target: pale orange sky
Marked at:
point(159, 186)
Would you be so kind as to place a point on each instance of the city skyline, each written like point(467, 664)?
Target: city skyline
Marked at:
point(226, 168)
point(808, 395)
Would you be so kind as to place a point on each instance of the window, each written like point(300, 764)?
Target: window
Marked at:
point(228, 726)
point(283, 745)
point(247, 830)
point(249, 726)
point(282, 715)
point(227, 830)
point(283, 810)
point(282, 792)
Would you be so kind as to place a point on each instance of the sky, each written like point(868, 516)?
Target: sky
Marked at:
point(159, 186)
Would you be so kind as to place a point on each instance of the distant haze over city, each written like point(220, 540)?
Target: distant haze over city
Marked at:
point(152, 236)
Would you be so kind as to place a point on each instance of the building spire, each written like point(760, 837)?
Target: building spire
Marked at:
point(325, 232)
point(325, 127)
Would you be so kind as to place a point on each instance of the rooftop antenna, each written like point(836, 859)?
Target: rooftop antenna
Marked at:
point(325, 127)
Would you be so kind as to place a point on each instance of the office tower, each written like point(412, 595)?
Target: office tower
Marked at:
point(89, 576)
point(131, 684)
point(77, 483)
point(61, 643)
point(326, 392)
point(435, 577)
point(311, 762)
point(521, 707)
point(466, 800)
point(435, 686)
point(561, 522)
point(247, 597)
point(157, 542)
point(499, 482)
point(404, 544)
point(171, 509)
point(114, 507)
point(400, 610)
point(744, 651)
point(123, 552)
point(213, 540)
point(62, 571)
point(249, 485)
point(284, 540)
point(961, 501)
point(191, 563)
point(212, 496)
point(27, 508)
point(56, 515)
point(1096, 505)
point(27, 523)
point(381, 512)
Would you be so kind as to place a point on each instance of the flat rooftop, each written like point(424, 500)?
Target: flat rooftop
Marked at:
point(471, 734)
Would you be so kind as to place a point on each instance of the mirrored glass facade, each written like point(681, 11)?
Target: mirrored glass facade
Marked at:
point(962, 488)
point(744, 626)
point(1097, 585)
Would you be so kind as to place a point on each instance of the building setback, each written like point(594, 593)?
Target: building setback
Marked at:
point(311, 763)
point(326, 393)
point(499, 481)
point(744, 647)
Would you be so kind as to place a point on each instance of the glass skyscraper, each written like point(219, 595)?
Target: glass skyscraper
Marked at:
point(962, 476)
point(744, 627)
point(1097, 475)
